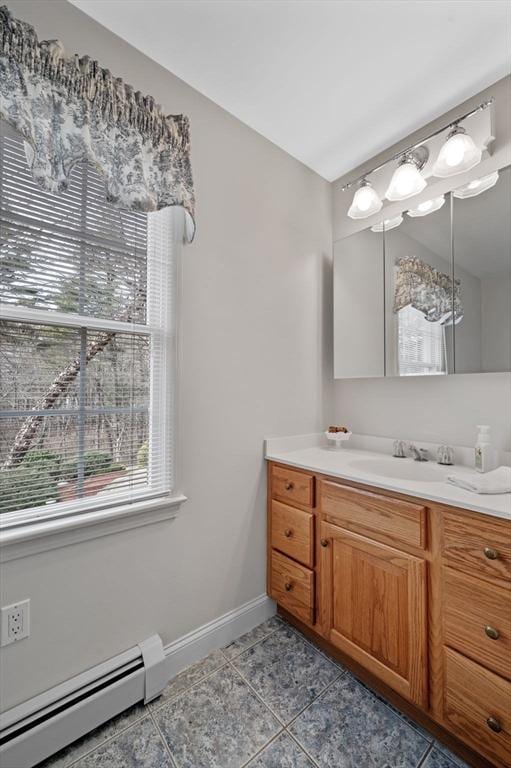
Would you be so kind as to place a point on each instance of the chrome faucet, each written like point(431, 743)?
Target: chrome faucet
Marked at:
point(419, 454)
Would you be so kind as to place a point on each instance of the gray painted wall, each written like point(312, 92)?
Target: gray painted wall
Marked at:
point(256, 329)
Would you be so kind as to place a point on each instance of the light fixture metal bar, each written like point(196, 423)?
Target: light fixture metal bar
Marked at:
point(452, 124)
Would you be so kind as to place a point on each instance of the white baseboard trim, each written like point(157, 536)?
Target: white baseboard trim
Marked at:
point(58, 730)
point(217, 633)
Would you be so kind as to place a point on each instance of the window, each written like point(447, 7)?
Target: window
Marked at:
point(421, 344)
point(86, 346)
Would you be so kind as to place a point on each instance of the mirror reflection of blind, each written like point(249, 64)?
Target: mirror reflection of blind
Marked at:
point(421, 344)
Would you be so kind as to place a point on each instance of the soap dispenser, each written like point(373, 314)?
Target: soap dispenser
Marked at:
point(483, 449)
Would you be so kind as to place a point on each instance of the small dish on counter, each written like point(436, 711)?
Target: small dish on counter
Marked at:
point(337, 438)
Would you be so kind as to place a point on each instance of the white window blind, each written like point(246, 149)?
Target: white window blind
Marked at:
point(86, 346)
point(421, 344)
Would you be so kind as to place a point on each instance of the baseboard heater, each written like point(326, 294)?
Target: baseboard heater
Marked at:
point(36, 729)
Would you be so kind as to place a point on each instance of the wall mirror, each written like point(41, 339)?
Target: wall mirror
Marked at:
point(482, 265)
point(428, 295)
point(359, 321)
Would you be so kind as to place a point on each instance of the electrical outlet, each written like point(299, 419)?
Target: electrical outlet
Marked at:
point(15, 622)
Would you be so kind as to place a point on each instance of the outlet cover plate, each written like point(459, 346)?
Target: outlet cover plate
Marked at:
point(14, 622)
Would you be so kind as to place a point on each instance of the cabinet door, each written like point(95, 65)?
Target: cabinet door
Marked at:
point(373, 602)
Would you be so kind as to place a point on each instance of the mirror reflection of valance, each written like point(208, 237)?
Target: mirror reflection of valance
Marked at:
point(69, 110)
point(428, 290)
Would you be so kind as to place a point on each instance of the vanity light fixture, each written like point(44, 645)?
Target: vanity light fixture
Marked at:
point(365, 201)
point(477, 186)
point(406, 180)
point(459, 150)
point(388, 224)
point(428, 206)
point(458, 154)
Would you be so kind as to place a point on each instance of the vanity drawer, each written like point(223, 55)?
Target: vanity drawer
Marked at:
point(478, 545)
point(477, 706)
point(291, 486)
point(292, 587)
point(477, 620)
point(292, 531)
point(380, 517)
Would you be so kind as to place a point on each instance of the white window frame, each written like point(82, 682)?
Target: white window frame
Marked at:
point(36, 529)
point(427, 326)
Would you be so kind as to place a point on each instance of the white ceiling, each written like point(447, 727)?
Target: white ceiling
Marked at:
point(332, 82)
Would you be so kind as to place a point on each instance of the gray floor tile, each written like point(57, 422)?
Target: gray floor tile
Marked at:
point(138, 747)
point(93, 739)
point(218, 723)
point(452, 759)
point(210, 717)
point(281, 753)
point(428, 736)
point(347, 727)
point(311, 642)
point(189, 677)
point(251, 638)
point(286, 672)
point(423, 732)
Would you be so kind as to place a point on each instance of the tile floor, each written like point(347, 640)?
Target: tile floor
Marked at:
point(268, 700)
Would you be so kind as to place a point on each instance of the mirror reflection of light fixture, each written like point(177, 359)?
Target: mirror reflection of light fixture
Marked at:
point(458, 154)
point(428, 206)
point(406, 180)
point(365, 202)
point(477, 186)
point(388, 224)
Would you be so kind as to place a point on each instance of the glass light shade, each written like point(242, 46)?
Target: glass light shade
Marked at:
point(428, 206)
point(365, 202)
point(406, 181)
point(458, 154)
point(477, 186)
point(388, 223)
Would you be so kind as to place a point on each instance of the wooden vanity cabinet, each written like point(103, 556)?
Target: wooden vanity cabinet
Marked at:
point(291, 541)
point(416, 594)
point(373, 604)
point(476, 623)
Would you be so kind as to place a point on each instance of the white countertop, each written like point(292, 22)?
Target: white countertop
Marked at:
point(306, 452)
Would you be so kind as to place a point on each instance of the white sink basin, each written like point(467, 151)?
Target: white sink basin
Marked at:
point(400, 469)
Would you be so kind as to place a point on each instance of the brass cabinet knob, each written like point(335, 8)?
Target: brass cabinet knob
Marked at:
point(288, 586)
point(289, 485)
point(492, 633)
point(494, 724)
point(324, 542)
point(288, 533)
point(491, 553)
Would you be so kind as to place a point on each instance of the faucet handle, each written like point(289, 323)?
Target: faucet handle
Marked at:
point(445, 454)
point(399, 451)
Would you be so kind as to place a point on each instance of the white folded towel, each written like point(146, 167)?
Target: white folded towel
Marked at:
point(497, 481)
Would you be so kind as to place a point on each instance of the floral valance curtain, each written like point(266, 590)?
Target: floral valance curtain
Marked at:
point(428, 290)
point(69, 109)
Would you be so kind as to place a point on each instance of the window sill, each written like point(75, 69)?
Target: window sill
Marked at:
point(31, 539)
